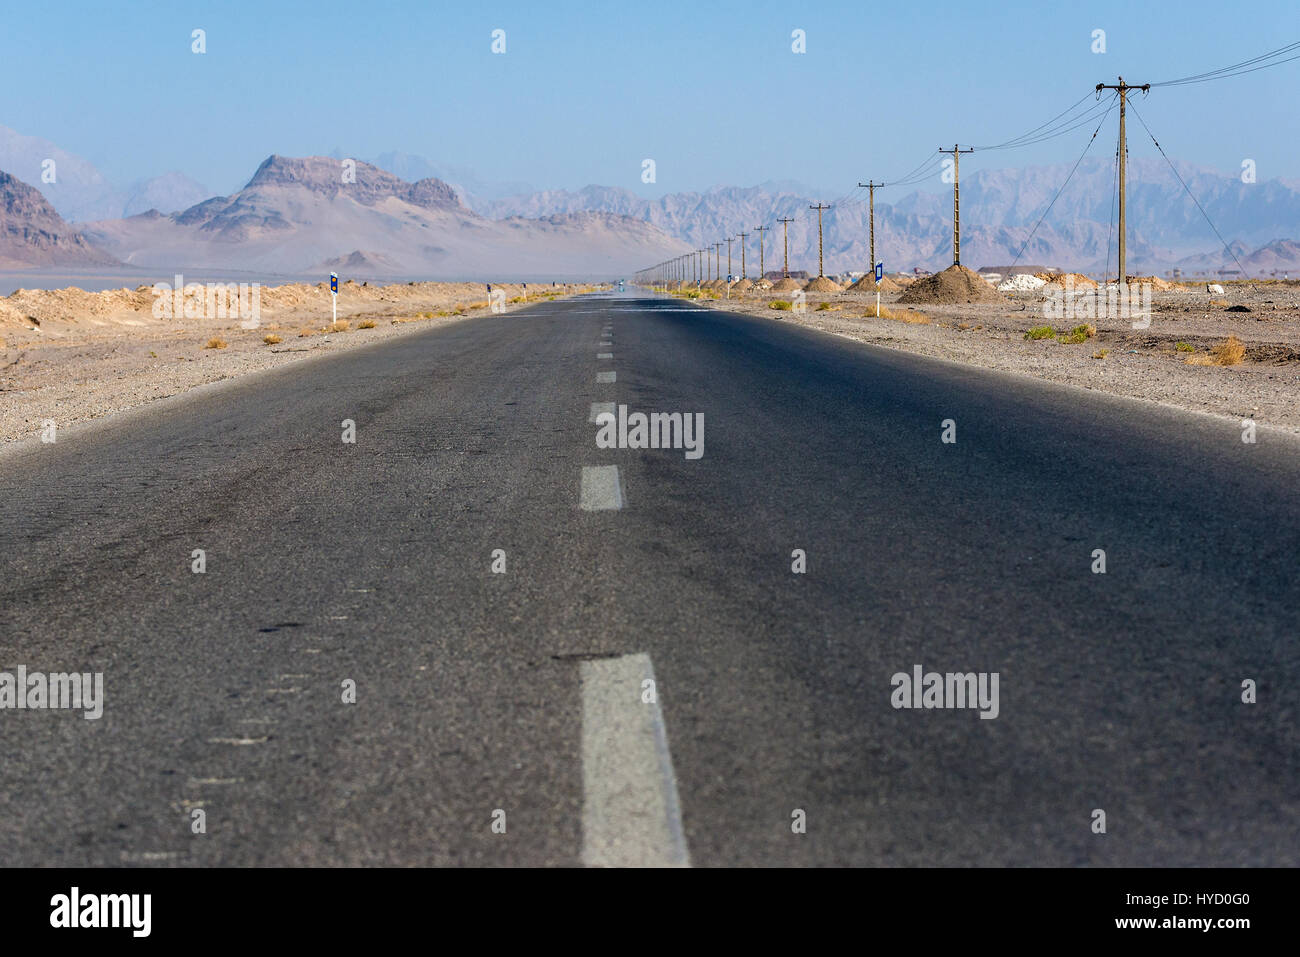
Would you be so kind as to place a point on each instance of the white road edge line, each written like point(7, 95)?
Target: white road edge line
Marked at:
point(631, 815)
point(601, 488)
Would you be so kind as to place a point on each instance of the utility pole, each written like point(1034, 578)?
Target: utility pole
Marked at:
point(871, 186)
point(742, 255)
point(956, 205)
point(1123, 89)
point(785, 235)
point(819, 207)
point(717, 260)
point(728, 259)
point(760, 230)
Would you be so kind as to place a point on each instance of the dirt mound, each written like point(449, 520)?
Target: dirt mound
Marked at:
point(762, 284)
point(1155, 282)
point(868, 284)
point(742, 285)
point(1060, 279)
point(787, 285)
point(822, 284)
point(956, 284)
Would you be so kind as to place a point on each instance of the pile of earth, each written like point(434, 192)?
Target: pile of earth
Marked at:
point(762, 284)
point(787, 285)
point(956, 284)
point(742, 285)
point(822, 284)
point(1079, 280)
point(1155, 282)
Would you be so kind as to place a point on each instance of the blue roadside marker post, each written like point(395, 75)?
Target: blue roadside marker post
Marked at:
point(334, 295)
point(880, 274)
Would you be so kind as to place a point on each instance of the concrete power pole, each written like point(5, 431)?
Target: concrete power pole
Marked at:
point(785, 236)
point(871, 186)
point(717, 260)
point(728, 259)
point(760, 230)
point(956, 204)
point(1123, 89)
point(819, 207)
point(742, 255)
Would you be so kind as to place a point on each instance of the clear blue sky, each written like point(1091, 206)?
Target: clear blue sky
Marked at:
point(710, 91)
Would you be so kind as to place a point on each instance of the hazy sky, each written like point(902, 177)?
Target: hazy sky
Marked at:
point(712, 92)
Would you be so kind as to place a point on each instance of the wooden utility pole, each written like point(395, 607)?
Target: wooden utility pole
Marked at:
point(760, 230)
point(728, 259)
point(785, 236)
point(871, 186)
point(819, 207)
point(956, 203)
point(717, 260)
point(742, 255)
point(1123, 89)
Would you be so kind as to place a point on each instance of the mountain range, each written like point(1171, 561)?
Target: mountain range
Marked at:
point(79, 192)
point(308, 215)
point(406, 215)
point(1000, 209)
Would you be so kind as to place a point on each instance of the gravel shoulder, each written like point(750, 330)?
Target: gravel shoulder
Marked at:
point(1147, 363)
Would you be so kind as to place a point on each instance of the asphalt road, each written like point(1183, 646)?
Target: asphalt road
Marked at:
point(479, 695)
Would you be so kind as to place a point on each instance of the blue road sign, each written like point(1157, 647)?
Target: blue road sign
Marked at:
point(880, 271)
point(334, 282)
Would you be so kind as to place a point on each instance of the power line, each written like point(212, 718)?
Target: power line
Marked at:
point(1025, 244)
point(1007, 143)
point(1069, 126)
point(1237, 69)
point(1189, 193)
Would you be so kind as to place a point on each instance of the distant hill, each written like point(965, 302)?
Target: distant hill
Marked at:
point(32, 233)
point(1000, 208)
point(80, 192)
point(300, 215)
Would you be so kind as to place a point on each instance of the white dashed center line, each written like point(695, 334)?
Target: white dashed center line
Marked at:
point(605, 377)
point(631, 816)
point(599, 407)
point(604, 355)
point(601, 488)
point(237, 741)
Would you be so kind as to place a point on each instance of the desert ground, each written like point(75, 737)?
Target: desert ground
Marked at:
point(71, 355)
point(1175, 360)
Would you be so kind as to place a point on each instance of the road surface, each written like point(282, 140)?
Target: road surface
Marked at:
point(504, 717)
